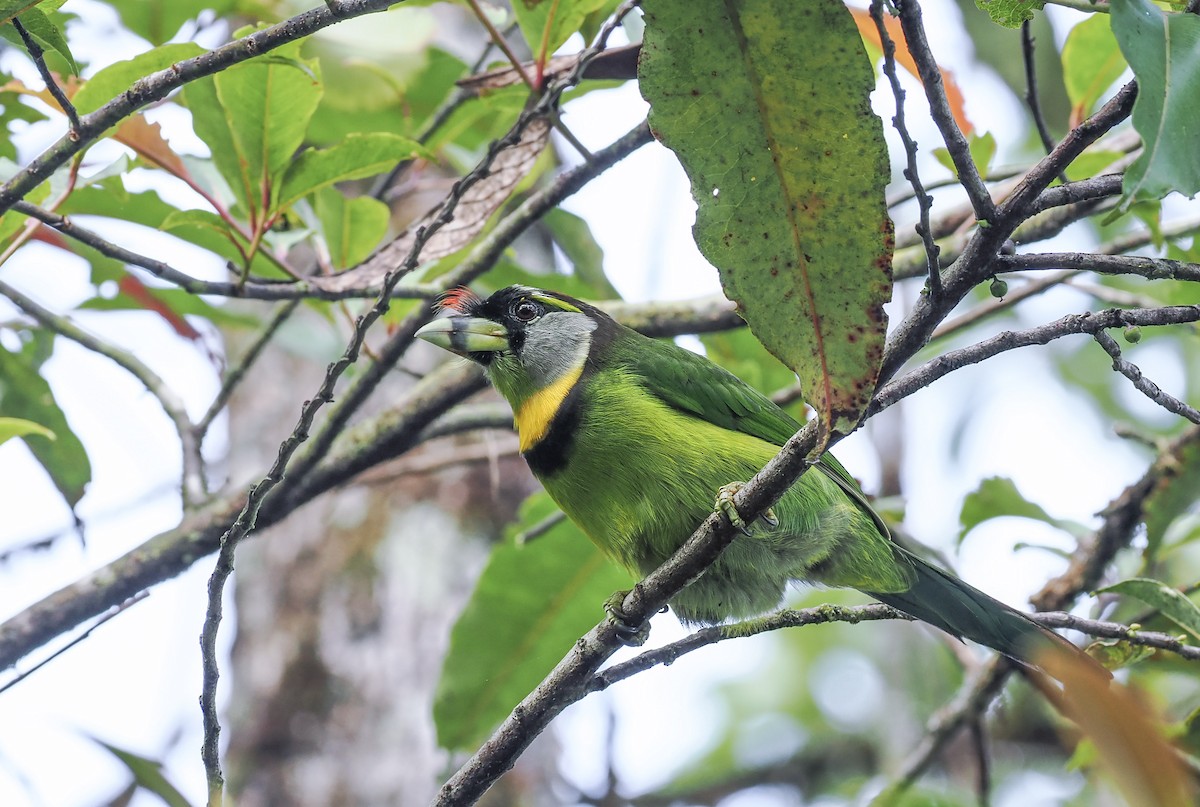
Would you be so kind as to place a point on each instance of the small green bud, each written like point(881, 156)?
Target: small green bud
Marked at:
point(1133, 334)
point(998, 288)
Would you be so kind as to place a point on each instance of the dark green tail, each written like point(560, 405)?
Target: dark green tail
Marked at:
point(948, 603)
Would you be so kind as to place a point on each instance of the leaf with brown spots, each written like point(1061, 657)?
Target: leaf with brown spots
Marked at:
point(767, 105)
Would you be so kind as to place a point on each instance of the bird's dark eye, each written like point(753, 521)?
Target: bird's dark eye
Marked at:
point(526, 311)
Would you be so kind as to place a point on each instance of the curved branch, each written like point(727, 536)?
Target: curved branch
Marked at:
point(984, 246)
point(943, 116)
point(1071, 324)
point(1143, 384)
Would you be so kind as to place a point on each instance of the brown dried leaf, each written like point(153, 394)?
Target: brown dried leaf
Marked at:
point(69, 87)
point(870, 33)
point(476, 206)
point(1130, 739)
point(147, 140)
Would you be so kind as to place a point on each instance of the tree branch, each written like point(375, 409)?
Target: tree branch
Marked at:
point(56, 92)
point(251, 290)
point(1143, 384)
point(1149, 268)
point(1090, 323)
point(980, 252)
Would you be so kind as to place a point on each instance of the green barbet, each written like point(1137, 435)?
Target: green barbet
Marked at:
point(633, 436)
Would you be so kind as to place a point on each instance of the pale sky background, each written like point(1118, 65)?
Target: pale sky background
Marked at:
point(135, 682)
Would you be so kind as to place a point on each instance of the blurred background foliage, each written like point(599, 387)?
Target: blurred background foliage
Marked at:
point(302, 163)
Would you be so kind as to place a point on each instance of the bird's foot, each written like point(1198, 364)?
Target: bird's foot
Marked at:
point(726, 506)
point(630, 633)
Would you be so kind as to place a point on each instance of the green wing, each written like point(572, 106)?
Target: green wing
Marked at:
point(693, 384)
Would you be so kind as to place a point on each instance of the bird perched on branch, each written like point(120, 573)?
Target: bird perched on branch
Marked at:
point(633, 436)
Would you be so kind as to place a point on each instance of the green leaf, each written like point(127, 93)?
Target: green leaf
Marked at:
point(148, 775)
point(367, 97)
point(268, 103)
point(982, 147)
point(1175, 494)
point(574, 237)
point(358, 156)
point(1168, 601)
point(156, 21)
point(212, 124)
point(1115, 654)
point(19, 427)
point(253, 117)
point(43, 30)
point(25, 394)
point(119, 76)
point(1010, 13)
point(208, 230)
point(532, 602)
point(1164, 52)
point(352, 228)
point(790, 193)
point(1091, 61)
point(547, 24)
point(998, 497)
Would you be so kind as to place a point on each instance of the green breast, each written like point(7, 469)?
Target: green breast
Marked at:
point(639, 476)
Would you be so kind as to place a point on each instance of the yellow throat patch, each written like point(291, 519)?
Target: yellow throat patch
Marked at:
point(533, 418)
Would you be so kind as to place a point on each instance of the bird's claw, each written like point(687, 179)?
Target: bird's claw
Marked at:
point(630, 633)
point(726, 506)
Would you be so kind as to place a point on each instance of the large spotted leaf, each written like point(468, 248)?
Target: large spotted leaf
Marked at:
point(766, 104)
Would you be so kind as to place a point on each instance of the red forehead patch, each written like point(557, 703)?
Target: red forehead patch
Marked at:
point(458, 301)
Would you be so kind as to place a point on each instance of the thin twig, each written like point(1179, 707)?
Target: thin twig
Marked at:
point(1149, 268)
point(117, 609)
point(924, 200)
point(253, 289)
point(983, 767)
point(499, 41)
point(193, 488)
point(39, 59)
point(943, 116)
point(1031, 88)
point(237, 372)
point(993, 307)
point(1115, 630)
point(1143, 384)
point(1089, 323)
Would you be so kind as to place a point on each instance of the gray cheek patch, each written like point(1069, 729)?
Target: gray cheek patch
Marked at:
point(556, 345)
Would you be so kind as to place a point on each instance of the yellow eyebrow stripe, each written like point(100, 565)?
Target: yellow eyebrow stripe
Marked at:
point(534, 416)
point(554, 302)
